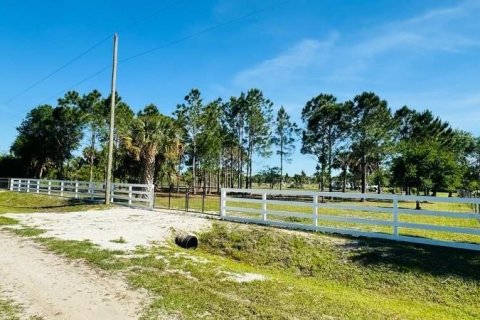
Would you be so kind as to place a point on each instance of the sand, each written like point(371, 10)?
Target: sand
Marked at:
point(50, 287)
point(137, 227)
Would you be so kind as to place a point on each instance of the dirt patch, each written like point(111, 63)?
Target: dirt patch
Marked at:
point(244, 277)
point(104, 228)
point(50, 287)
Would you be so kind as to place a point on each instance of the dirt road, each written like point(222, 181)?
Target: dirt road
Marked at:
point(53, 288)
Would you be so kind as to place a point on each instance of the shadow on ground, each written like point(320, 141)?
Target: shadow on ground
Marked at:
point(67, 203)
point(438, 261)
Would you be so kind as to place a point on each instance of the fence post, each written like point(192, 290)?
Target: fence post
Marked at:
point(49, 189)
point(264, 206)
point(152, 196)
point(395, 217)
point(91, 190)
point(28, 185)
point(315, 210)
point(187, 198)
point(61, 188)
point(38, 186)
point(203, 199)
point(11, 181)
point(112, 192)
point(223, 202)
point(19, 185)
point(76, 190)
point(129, 194)
point(169, 197)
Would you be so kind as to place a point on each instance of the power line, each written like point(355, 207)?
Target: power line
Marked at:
point(174, 42)
point(168, 44)
point(84, 53)
point(206, 30)
point(93, 75)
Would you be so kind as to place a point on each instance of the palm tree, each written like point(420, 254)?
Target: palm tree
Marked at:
point(152, 135)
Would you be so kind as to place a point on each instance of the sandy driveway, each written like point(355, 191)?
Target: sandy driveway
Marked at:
point(53, 288)
point(137, 227)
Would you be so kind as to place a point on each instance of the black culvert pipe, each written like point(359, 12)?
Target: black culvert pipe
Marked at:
point(186, 241)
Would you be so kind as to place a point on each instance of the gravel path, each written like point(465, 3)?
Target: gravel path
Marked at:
point(53, 288)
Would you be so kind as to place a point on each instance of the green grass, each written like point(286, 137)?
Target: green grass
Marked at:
point(27, 232)
point(308, 276)
point(5, 221)
point(119, 240)
point(9, 310)
point(84, 250)
point(15, 202)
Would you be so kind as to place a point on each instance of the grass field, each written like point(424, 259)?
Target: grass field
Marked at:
point(14, 202)
point(9, 310)
point(307, 275)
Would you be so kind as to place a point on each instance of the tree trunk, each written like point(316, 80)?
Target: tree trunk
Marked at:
point(249, 168)
point(92, 155)
point(281, 163)
point(240, 169)
point(231, 168)
point(219, 172)
point(364, 174)
point(194, 171)
point(418, 206)
point(148, 168)
point(330, 187)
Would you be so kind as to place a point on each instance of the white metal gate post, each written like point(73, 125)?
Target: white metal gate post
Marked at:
point(315, 210)
point(223, 202)
point(395, 217)
point(264, 206)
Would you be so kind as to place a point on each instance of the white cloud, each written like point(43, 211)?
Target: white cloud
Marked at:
point(288, 64)
point(329, 60)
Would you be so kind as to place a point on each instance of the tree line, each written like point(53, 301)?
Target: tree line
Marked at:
point(213, 144)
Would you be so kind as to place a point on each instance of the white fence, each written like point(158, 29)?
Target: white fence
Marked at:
point(442, 221)
point(134, 195)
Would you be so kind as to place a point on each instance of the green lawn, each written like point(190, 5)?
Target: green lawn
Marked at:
point(307, 275)
point(15, 202)
point(9, 310)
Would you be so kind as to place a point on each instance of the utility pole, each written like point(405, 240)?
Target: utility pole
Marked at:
point(108, 184)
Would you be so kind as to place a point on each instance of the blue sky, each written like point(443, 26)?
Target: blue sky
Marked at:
point(423, 54)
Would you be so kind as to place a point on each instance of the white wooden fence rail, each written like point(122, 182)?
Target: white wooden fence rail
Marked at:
point(134, 195)
point(257, 206)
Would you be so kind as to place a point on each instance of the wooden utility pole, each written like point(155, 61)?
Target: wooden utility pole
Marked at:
point(108, 183)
